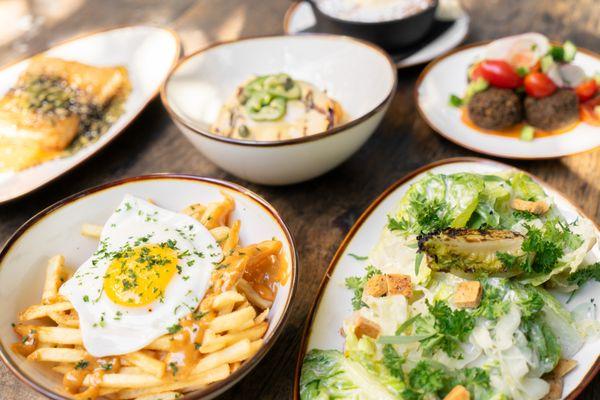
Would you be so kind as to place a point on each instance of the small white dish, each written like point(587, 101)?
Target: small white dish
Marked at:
point(333, 301)
point(447, 75)
point(300, 18)
point(360, 76)
point(56, 230)
point(147, 52)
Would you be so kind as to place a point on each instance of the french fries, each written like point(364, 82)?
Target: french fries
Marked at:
point(230, 330)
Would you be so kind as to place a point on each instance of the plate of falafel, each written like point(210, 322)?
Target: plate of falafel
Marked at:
point(520, 97)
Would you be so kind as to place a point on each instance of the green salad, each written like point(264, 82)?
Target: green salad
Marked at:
point(459, 299)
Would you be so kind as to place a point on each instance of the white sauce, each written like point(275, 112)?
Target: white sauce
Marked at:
point(371, 10)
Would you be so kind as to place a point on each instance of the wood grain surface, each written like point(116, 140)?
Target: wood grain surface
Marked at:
point(319, 212)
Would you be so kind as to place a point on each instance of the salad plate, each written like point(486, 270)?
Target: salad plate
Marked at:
point(444, 35)
point(548, 123)
point(363, 344)
point(145, 54)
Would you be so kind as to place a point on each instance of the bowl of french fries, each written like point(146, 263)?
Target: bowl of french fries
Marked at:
point(241, 298)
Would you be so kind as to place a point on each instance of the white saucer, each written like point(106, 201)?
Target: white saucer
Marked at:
point(447, 75)
point(300, 18)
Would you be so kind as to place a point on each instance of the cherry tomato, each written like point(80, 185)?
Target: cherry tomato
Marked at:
point(588, 113)
point(477, 72)
point(586, 90)
point(539, 85)
point(500, 74)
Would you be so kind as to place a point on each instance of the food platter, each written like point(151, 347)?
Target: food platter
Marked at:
point(23, 259)
point(148, 53)
point(333, 303)
point(433, 90)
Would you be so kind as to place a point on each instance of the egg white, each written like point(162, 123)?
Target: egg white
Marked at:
point(110, 329)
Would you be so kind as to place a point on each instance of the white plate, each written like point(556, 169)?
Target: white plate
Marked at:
point(447, 75)
point(57, 230)
point(300, 17)
point(147, 52)
point(333, 303)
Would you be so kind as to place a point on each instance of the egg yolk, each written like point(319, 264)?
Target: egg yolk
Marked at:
point(137, 277)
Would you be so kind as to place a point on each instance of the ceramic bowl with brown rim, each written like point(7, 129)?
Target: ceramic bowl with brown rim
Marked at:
point(333, 303)
point(56, 230)
point(359, 76)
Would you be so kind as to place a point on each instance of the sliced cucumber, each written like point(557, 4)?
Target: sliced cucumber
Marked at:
point(272, 111)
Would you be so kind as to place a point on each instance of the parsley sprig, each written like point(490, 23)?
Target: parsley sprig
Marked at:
point(357, 284)
point(543, 247)
point(450, 328)
point(428, 215)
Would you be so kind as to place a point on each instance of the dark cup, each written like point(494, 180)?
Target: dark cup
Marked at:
point(390, 35)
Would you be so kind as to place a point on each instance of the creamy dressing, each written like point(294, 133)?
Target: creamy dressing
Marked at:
point(314, 112)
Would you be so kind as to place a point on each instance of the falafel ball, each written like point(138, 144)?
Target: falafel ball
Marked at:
point(556, 111)
point(495, 108)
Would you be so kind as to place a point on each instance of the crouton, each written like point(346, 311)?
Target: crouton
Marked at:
point(459, 392)
point(564, 367)
point(534, 207)
point(468, 294)
point(556, 388)
point(366, 327)
point(399, 284)
point(376, 286)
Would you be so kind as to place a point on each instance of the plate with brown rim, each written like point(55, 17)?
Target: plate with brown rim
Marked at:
point(446, 76)
point(333, 303)
point(148, 53)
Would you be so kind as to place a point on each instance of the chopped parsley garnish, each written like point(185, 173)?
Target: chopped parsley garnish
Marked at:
point(450, 328)
point(455, 101)
point(393, 361)
point(429, 215)
point(429, 379)
point(174, 328)
point(82, 364)
point(543, 247)
point(588, 273)
point(86, 298)
point(198, 314)
point(358, 258)
point(357, 284)
point(492, 304)
point(174, 368)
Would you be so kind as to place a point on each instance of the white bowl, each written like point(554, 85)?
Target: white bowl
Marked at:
point(57, 230)
point(147, 52)
point(359, 75)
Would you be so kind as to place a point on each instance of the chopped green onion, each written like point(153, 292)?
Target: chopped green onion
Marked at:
point(455, 101)
point(403, 339)
point(527, 133)
point(569, 51)
point(407, 323)
point(418, 260)
point(522, 71)
point(546, 62)
point(358, 258)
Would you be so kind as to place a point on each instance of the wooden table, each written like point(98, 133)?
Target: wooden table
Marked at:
point(319, 212)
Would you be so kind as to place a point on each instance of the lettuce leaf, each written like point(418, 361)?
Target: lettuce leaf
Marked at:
point(327, 374)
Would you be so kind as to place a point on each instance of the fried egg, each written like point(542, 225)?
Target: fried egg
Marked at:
point(152, 267)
